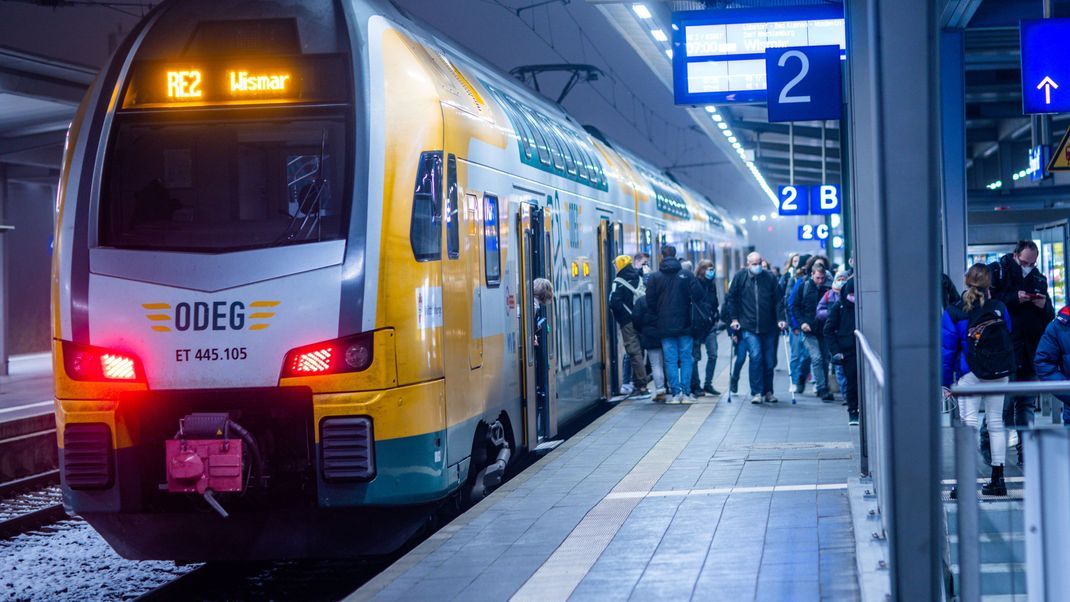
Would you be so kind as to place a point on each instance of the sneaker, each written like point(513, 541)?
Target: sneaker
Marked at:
point(770, 398)
point(641, 392)
point(697, 393)
point(826, 396)
point(661, 398)
point(688, 399)
point(627, 389)
point(710, 390)
point(674, 399)
point(733, 386)
point(756, 400)
point(791, 388)
point(852, 420)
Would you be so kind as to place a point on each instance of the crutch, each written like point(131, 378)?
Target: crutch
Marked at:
point(791, 377)
point(731, 366)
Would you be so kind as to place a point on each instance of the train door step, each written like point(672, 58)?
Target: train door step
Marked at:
point(547, 446)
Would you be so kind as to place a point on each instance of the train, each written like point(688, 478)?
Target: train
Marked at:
point(292, 279)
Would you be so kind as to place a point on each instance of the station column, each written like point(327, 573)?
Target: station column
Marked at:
point(893, 93)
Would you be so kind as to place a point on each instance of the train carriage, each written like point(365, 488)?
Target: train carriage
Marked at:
point(293, 279)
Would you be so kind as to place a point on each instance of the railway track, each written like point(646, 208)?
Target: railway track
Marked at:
point(28, 469)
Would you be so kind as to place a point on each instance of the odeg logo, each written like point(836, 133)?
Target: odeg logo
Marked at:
point(200, 316)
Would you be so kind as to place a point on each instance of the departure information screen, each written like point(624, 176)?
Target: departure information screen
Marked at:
point(719, 55)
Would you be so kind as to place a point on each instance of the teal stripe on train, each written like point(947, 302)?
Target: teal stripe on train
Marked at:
point(408, 471)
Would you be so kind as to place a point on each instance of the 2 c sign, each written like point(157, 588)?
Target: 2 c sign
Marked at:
point(793, 200)
point(813, 232)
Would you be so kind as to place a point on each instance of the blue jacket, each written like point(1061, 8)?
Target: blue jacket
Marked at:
point(954, 327)
point(1052, 361)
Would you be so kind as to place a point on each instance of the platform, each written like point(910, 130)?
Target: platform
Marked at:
point(27, 389)
point(715, 500)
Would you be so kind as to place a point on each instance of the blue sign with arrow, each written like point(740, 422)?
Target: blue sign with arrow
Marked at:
point(1045, 70)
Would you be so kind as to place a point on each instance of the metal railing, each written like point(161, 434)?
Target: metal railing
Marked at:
point(872, 434)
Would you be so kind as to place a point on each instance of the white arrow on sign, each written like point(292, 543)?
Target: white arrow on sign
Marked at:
point(1047, 83)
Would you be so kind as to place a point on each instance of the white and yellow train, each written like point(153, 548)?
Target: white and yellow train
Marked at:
point(292, 281)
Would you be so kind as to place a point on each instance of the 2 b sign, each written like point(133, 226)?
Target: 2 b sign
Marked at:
point(809, 200)
point(812, 232)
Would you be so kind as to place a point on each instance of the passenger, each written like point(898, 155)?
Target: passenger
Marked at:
point(626, 287)
point(949, 293)
point(799, 363)
point(755, 309)
point(789, 271)
point(977, 348)
point(704, 317)
point(641, 261)
point(543, 291)
point(1053, 356)
point(804, 308)
point(646, 325)
point(670, 295)
point(1024, 290)
point(840, 335)
point(823, 310)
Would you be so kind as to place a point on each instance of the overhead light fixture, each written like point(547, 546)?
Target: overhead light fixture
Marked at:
point(727, 133)
point(754, 218)
point(668, 53)
point(732, 139)
point(722, 125)
point(761, 218)
point(642, 11)
point(717, 118)
point(773, 215)
point(711, 109)
point(742, 220)
point(737, 146)
point(659, 35)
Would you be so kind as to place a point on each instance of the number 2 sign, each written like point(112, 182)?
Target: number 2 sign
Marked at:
point(804, 83)
point(793, 200)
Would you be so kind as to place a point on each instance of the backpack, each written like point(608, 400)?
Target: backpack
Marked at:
point(989, 350)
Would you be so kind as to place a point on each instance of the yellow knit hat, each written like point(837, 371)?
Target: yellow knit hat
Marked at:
point(621, 261)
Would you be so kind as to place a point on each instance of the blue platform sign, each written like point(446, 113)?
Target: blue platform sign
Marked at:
point(793, 200)
point(813, 232)
point(718, 55)
point(1045, 70)
point(825, 200)
point(804, 83)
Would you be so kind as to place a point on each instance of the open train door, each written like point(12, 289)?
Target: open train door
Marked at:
point(539, 356)
point(607, 272)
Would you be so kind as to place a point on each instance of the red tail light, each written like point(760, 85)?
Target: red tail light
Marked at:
point(349, 354)
point(84, 362)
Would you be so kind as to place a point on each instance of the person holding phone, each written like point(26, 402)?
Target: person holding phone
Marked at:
point(1018, 283)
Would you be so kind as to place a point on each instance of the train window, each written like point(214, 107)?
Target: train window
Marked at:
point(491, 239)
point(588, 328)
point(540, 137)
point(582, 161)
point(556, 148)
point(425, 231)
point(565, 316)
point(566, 149)
point(213, 187)
point(453, 216)
point(577, 329)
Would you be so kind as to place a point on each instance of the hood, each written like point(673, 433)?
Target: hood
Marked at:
point(670, 265)
point(629, 273)
point(848, 289)
point(1064, 316)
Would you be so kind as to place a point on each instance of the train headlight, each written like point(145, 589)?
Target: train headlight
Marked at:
point(88, 363)
point(348, 354)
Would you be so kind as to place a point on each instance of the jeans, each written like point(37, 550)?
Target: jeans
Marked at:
point(798, 363)
point(709, 342)
point(817, 363)
point(849, 371)
point(741, 357)
point(678, 363)
point(761, 348)
point(969, 406)
point(657, 367)
point(841, 378)
point(634, 358)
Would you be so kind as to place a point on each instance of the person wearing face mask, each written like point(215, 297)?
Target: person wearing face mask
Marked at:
point(670, 294)
point(823, 309)
point(704, 316)
point(804, 308)
point(800, 359)
point(754, 308)
point(840, 336)
point(1018, 283)
point(622, 297)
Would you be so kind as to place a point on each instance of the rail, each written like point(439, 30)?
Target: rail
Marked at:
point(872, 433)
point(1030, 387)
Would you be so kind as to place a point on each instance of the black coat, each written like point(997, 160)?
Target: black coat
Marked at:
point(622, 299)
point(840, 328)
point(804, 304)
point(707, 310)
point(756, 301)
point(1028, 319)
point(646, 325)
point(669, 297)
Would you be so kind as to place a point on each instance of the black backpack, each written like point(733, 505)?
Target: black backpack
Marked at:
point(989, 350)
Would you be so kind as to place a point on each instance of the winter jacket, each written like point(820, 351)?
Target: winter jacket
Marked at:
point(1053, 352)
point(950, 293)
point(804, 304)
point(755, 301)
point(708, 307)
point(622, 297)
point(840, 327)
point(646, 325)
point(795, 285)
point(669, 297)
point(1029, 320)
point(954, 326)
point(825, 305)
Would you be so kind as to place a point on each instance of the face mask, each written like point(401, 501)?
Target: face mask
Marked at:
point(755, 269)
point(709, 274)
point(646, 269)
point(1026, 271)
point(851, 298)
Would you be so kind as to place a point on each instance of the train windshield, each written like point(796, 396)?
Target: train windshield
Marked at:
point(213, 187)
